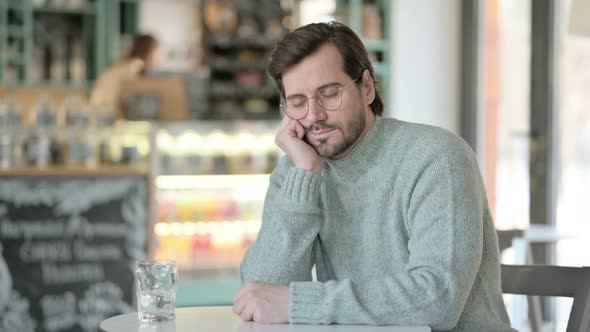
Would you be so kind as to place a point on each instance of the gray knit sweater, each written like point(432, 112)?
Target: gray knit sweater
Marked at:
point(399, 231)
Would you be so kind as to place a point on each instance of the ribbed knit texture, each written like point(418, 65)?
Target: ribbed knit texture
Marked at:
point(399, 230)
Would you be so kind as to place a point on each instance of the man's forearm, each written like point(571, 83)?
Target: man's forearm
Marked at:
point(279, 259)
point(291, 221)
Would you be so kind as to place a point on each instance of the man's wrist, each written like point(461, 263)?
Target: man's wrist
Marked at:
point(313, 167)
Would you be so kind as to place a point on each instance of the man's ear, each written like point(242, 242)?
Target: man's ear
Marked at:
point(368, 85)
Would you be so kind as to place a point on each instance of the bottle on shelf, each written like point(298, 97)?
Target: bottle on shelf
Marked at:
point(37, 63)
point(58, 65)
point(77, 65)
point(10, 117)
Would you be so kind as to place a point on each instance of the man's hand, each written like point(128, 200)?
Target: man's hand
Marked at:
point(290, 139)
point(262, 302)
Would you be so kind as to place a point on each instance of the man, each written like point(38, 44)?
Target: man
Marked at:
point(393, 215)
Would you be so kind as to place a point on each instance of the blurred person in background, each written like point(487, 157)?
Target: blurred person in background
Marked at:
point(140, 59)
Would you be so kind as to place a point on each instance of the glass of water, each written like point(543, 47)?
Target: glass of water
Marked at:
point(156, 290)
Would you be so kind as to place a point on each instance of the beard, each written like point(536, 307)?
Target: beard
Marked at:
point(352, 132)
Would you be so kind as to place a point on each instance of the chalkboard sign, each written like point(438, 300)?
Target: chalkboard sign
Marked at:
point(68, 247)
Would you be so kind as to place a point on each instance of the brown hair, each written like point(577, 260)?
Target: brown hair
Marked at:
point(303, 41)
point(143, 46)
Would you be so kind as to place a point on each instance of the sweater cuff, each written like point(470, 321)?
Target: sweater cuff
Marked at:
point(306, 303)
point(302, 185)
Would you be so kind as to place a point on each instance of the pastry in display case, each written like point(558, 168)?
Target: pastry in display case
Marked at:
point(210, 189)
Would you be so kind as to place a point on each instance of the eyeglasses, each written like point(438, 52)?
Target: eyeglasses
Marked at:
point(328, 97)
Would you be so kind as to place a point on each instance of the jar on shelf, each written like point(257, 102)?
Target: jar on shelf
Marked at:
point(104, 122)
point(81, 138)
point(41, 147)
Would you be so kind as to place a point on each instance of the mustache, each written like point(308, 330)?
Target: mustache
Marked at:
point(319, 126)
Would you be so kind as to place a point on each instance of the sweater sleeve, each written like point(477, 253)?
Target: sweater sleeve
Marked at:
point(290, 223)
point(444, 208)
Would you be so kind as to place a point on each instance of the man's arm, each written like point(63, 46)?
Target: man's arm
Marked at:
point(291, 217)
point(445, 228)
point(282, 252)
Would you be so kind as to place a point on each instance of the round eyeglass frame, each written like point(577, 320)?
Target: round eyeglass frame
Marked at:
point(283, 105)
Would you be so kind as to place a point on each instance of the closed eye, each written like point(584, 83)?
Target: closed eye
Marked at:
point(329, 91)
point(296, 101)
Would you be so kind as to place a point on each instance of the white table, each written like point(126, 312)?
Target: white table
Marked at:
point(222, 319)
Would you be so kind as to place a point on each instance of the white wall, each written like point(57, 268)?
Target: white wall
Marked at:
point(425, 84)
point(174, 23)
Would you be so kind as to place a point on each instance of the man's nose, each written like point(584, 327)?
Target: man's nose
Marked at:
point(315, 112)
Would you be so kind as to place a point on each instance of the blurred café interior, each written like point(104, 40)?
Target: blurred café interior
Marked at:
point(187, 145)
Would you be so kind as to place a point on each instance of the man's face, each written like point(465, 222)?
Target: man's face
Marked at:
point(332, 133)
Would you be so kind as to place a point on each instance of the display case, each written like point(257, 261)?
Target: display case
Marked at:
point(210, 188)
point(207, 179)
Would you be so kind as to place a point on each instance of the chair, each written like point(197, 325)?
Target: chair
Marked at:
point(506, 240)
point(546, 280)
point(505, 237)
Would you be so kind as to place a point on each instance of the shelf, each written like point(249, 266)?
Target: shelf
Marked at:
point(94, 23)
point(12, 5)
point(48, 85)
point(212, 181)
point(63, 84)
point(225, 65)
point(15, 61)
point(235, 42)
point(208, 126)
point(75, 171)
point(53, 85)
point(82, 10)
point(233, 91)
point(15, 31)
